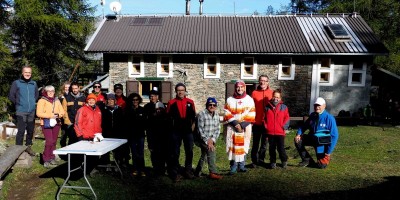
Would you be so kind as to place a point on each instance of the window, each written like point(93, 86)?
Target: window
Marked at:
point(248, 68)
point(164, 66)
point(286, 69)
point(136, 66)
point(357, 74)
point(212, 68)
point(325, 68)
point(143, 88)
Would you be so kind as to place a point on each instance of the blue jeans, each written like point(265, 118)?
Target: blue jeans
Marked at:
point(25, 121)
point(137, 149)
point(235, 165)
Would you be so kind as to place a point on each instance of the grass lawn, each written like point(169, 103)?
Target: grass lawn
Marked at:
point(365, 164)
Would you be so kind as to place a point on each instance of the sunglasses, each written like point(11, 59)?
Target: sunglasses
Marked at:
point(135, 99)
point(96, 86)
point(212, 105)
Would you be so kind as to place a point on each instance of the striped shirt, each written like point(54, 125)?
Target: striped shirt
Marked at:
point(208, 125)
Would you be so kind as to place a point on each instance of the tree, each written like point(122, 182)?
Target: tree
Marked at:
point(50, 36)
point(270, 10)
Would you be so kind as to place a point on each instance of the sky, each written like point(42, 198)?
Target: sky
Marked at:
point(211, 7)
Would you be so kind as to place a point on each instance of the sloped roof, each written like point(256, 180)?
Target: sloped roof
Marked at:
point(234, 35)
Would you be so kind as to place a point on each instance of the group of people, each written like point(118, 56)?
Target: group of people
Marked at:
point(263, 116)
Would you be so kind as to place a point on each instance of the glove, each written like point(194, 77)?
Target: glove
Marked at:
point(98, 137)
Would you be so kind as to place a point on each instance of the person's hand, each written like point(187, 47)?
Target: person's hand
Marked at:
point(210, 145)
point(55, 116)
point(297, 138)
point(239, 128)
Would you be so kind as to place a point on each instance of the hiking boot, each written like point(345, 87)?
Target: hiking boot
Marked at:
point(272, 165)
point(253, 165)
point(284, 165)
point(243, 170)
point(232, 172)
point(177, 179)
point(135, 173)
point(188, 175)
point(53, 162)
point(304, 163)
point(197, 173)
point(142, 174)
point(30, 151)
point(215, 176)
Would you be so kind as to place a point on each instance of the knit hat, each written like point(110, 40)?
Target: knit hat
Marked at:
point(240, 82)
point(91, 96)
point(211, 100)
point(180, 84)
point(118, 86)
point(154, 92)
point(111, 96)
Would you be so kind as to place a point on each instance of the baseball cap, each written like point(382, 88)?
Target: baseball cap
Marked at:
point(320, 101)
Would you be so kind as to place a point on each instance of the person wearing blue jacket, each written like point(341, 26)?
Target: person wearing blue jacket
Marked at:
point(24, 93)
point(323, 135)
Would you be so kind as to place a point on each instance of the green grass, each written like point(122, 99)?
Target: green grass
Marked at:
point(365, 164)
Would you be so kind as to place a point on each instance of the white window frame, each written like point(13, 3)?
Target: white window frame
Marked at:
point(217, 67)
point(160, 72)
point(243, 74)
point(130, 67)
point(281, 75)
point(330, 70)
point(362, 71)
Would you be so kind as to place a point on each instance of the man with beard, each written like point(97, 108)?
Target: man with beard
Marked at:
point(71, 103)
point(239, 114)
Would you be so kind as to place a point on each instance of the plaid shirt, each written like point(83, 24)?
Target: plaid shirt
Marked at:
point(208, 125)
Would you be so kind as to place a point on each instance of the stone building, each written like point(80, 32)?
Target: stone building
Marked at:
point(305, 56)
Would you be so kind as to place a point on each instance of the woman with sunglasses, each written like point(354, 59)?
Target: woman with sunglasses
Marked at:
point(101, 97)
point(135, 121)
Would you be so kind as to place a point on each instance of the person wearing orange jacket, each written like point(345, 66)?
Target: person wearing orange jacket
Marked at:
point(261, 96)
point(88, 119)
point(276, 122)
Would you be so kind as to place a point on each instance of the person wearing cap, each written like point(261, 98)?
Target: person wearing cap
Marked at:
point(276, 123)
point(135, 121)
point(320, 121)
point(208, 127)
point(88, 119)
point(113, 127)
point(49, 107)
point(71, 103)
point(100, 96)
point(119, 96)
point(239, 114)
point(261, 97)
point(182, 115)
point(155, 131)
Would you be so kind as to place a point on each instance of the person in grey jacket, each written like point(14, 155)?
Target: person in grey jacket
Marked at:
point(24, 93)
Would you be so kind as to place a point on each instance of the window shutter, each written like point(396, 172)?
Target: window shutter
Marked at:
point(166, 91)
point(132, 87)
point(230, 89)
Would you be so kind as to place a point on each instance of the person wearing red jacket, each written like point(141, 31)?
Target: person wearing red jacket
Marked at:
point(88, 119)
point(276, 122)
point(261, 96)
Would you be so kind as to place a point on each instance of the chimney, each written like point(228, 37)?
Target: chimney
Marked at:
point(187, 7)
point(201, 7)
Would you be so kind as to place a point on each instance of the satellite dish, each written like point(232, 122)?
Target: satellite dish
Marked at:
point(115, 6)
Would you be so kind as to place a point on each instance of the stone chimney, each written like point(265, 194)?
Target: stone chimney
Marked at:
point(187, 7)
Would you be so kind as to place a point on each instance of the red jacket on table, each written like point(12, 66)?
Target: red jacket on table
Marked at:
point(261, 98)
point(88, 121)
point(276, 119)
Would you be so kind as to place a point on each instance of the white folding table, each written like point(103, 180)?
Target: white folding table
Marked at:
point(87, 148)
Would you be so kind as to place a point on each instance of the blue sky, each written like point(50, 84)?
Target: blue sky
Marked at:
point(211, 7)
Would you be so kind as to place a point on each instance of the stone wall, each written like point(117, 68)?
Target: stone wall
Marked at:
point(295, 92)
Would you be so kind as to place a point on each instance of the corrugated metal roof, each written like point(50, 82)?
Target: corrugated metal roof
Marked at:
point(233, 34)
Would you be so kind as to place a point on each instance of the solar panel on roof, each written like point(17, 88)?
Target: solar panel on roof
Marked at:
point(337, 31)
point(138, 21)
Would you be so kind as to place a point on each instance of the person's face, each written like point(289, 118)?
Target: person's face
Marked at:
point(66, 88)
point(240, 89)
point(27, 73)
point(180, 92)
point(276, 97)
point(153, 98)
point(50, 93)
point(97, 88)
point(111, 102)
point(118, 92)
point(319, 108)
point(211, 107)
point(91, 102)
point(135, 101)
point(263, 82)
point(75, 89)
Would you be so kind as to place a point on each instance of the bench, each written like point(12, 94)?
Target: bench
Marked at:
point(9, 157)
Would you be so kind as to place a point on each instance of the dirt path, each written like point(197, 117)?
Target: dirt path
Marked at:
point(25, 188)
